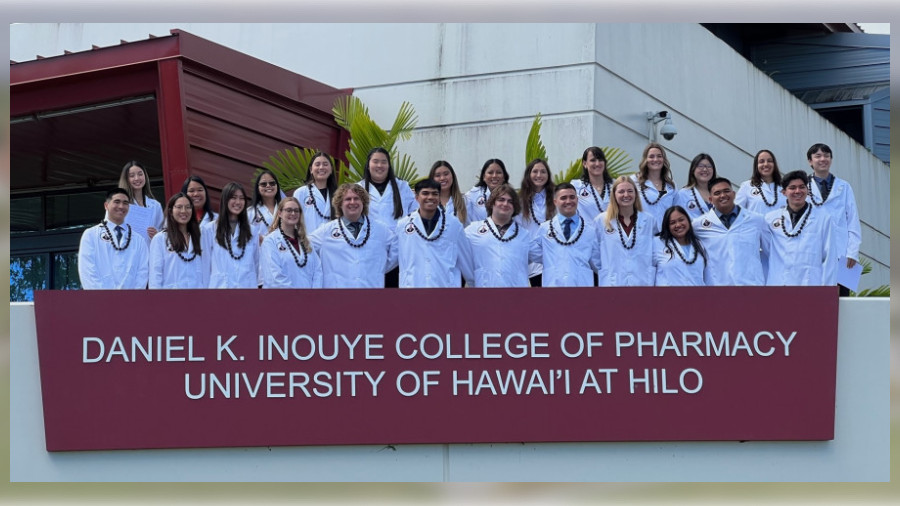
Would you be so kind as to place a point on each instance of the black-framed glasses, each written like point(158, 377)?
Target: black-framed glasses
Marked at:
point(267, 183)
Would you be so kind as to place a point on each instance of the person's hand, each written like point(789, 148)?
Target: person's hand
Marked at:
point(850, 263)
point(151, 232)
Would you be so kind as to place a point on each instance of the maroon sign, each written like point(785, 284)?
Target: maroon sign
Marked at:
point(224, 368)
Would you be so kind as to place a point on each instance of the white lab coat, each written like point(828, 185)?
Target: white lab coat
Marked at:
point(692, 202)
point(626, 267)
point(432, 264)
point(381, 205)
point(314, 204)
point(260, 219)
point(572, 264)
point(735, 255)
point(749, 197)
point(807, 259)
point(102, 267)
point(169, 271)
point(450, 208)
point(841, 206)
point(587, 205)
point(344, 266)
point(225, 271)
point(279, 270)
point(498, 263)
point(658, 209)
point(539, 206)
point(476, 198)
point(671, 270)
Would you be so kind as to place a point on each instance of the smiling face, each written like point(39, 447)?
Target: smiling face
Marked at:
point(428, 199)
point(378, 167)
point(117, 208)
point(268, 187)
point(722, 196)
point(136, 178)
point(236, 204)
point(820, 162)
point(443, 176)
point(321, 170)
point(566, 202)
point(182, 212)
point(595, 167)
point(503, 209)
point(351, 206)
point(679, 225)
point(625, 193)
point(289, 214)
point(197, 194)
point(703, 172)
point(655, 159)
point(765, 165)
point(539, 176)
point(796, 192)
point(493, 176)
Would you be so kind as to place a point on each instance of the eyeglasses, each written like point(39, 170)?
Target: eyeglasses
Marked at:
point(704, 166)
point(291, 210)
point(267, 183)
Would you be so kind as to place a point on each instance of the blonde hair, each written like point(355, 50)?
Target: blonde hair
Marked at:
point(300, 229)
point(612, 212)
point(338, 198)
point(644, 171)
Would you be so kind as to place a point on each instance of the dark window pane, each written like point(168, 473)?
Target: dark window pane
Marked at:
point(65, 271)
point(25, 215)
point(78, 210)
point(27, 273)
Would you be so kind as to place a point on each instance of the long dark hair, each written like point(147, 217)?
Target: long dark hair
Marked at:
point(484, 169)
point(459, 202)
point(528, 191)
point(175, 237)
point(223, 225)
point(756, 178)
point(257, 197)
point(207, 208)
point(598, 154)
point(666, 235)
point(692, 180)
point(391, 177)
point(123, 182)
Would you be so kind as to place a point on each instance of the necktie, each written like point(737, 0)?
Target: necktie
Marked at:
point(354, 228)
point(823, 188)
point(118, 234)
point(567, 227)
point(726, 220)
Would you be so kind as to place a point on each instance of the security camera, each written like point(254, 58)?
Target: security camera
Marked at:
point(668, 130)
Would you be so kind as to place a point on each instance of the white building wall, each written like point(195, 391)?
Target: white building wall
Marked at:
point(476, 88)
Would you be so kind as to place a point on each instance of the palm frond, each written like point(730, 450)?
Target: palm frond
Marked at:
point(289, 166)
point(880, 291)
point(404, 123)
point(534, 146)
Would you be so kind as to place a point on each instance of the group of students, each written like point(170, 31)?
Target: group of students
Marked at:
point(593, 231)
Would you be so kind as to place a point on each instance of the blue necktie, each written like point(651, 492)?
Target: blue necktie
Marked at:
point(567, 227)
point(354, 228)
point(118, 234)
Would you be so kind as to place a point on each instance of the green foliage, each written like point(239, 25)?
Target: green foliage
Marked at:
point(879, 291)
point(534, 147)
point(351, 114)
point(618, 163)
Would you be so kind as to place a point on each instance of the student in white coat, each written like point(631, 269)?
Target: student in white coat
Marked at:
point(433, 249)
point(736, 240)
point(287, 259)
point(694, 197)
point(452, 200)
point(762, 192)
point(493, 174)
point(594, 188)
point(355, 250)
point(111, 255)
point(567, 245)
point(229, 243)
point(625, 236)
point(655, 184)
point(317, 191)
point(389, 197)
point(536, 201)
point(835, 196)
point(266, 196)
point(802, 252)
point(501, 247)
point(198, 192)
point(135, 180)
point(176, 254)
point(678, 255)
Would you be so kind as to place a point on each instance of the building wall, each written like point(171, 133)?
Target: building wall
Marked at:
point(476, 88)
